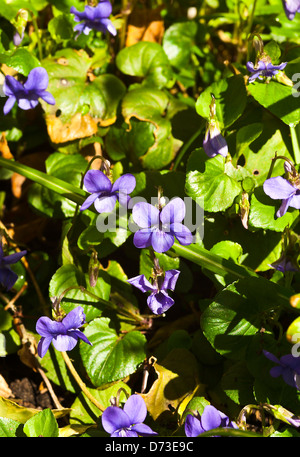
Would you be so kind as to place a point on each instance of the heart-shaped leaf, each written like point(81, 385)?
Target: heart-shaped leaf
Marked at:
point(209, 184)
point(231, 98)
point(146, 60)
point(278, 99)
point(112, 356)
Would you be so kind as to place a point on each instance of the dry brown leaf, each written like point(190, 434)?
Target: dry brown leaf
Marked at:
point(177, 378)
point(4, 148)
point(4, 388)
point(145, 25)
point(79, 127)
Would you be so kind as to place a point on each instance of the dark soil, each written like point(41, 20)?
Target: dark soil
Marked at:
point(28, 387)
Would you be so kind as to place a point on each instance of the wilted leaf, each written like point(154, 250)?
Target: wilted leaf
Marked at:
point(177, 378)
point(145, 24)
point(83, 101)
point(12, 410)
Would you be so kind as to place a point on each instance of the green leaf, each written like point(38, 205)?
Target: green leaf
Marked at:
point(278, 99)
point(68, 276)
point(9, 10)
point(258, 162)
point(85, 412)
point(274, 51)
point(112, 357)
point(61, 27)
point(90, 237)
point(65, 5)
point(237, 314)
point(263, 213)
point(42, 424)
point(182, 41)
point(8, 427)
point(179, 41)
point(57, 185)
point(209, 184)
point(237, 383)
point(155, 107)
point(68, 167)
point(21, 60)
point(54, 365)
point(246, 135)
point(231, 99)
point(146, 60)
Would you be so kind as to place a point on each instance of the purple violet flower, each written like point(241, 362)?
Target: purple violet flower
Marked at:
point(27, 94)
point(284, 264)
point(281, 189)
point(210, 419)
point(94, 17)
point(263, 69)
point(158, 301)
point(17, 38)
point(63, 334)
point(291, 7)
point(7, 276)
point(214, 143)
point(127, 422)
point(104, 193)
point(159, 227)
point(287, 366)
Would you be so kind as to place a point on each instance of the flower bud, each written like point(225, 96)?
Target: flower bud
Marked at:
point(214, 143)
point(283, 79)
point(20, 23)
point(93, 269)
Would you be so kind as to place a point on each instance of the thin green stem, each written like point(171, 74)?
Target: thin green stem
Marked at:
point(80, 382)
point(250, 22)
point(295, 143)
point(218, 265)
point(63, 188)
point(186, 145)
point(38, 38)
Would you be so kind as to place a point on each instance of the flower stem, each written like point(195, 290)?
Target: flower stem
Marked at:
point(39, 43)
point(80, 382)
point(186, 146)
point(295, 142)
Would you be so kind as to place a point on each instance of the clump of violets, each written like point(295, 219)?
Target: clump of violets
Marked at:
point(158, 301)
point(8, 277)
point(214, 143)
point(287, 366)
point(287, 190)
point(64, 332)
point(210, 419)
point(27, 95)
point(160, 225)
point(127, 422)
point(94, 18)
point(291, 7)
point(104, 194)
